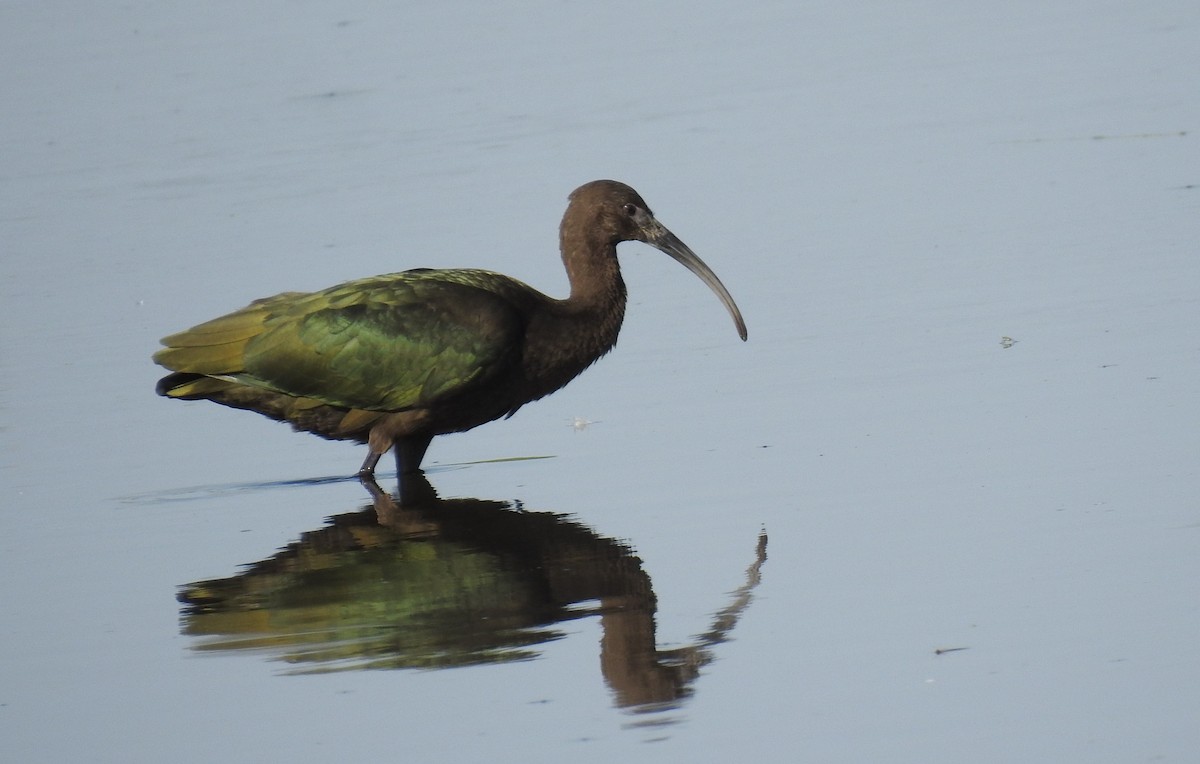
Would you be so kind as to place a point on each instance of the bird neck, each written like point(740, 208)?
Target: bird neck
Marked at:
point(596, 306)
point(569, 335)
point(592, 270)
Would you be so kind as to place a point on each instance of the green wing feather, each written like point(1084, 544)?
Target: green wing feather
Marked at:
point(381, 344)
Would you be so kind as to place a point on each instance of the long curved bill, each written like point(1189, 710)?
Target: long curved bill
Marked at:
point(658, 236)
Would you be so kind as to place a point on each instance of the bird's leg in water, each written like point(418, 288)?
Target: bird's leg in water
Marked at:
point(367, 470)
point(409, 453)
point(411, 485)
point(399, 512)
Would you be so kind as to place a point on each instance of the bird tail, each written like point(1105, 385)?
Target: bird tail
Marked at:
point(190, 387)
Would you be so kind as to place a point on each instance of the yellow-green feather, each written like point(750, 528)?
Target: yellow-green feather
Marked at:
point(385, 343)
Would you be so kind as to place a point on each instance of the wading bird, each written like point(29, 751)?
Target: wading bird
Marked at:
point(393, 360)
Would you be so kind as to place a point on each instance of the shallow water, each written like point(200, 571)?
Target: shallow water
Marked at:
point(963, 241)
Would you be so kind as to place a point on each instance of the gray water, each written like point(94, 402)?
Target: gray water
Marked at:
point(964, 240)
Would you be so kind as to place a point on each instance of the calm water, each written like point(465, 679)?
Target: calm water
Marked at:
point(964, 243)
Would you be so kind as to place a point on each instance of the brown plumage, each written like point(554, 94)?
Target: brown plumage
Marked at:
point(394, 360)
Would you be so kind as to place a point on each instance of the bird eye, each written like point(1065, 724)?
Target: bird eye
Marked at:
point(630, 209)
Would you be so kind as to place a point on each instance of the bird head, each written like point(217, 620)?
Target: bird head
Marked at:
point(615, 212)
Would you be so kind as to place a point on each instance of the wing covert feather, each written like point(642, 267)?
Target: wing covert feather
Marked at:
point(385, 344)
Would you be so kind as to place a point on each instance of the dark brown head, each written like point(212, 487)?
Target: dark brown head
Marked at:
point(604, 213)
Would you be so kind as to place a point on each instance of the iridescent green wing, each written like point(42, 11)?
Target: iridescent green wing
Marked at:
point(385, 343)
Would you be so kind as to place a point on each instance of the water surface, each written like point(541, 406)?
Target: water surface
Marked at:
point(963, 240)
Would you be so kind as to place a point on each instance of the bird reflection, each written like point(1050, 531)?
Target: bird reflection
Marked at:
point(438, 583)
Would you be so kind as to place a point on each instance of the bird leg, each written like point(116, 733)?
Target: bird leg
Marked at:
point(410, 451)
point(367, 470)
point(412, 488)
point(401, 431)
point(411, 483)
